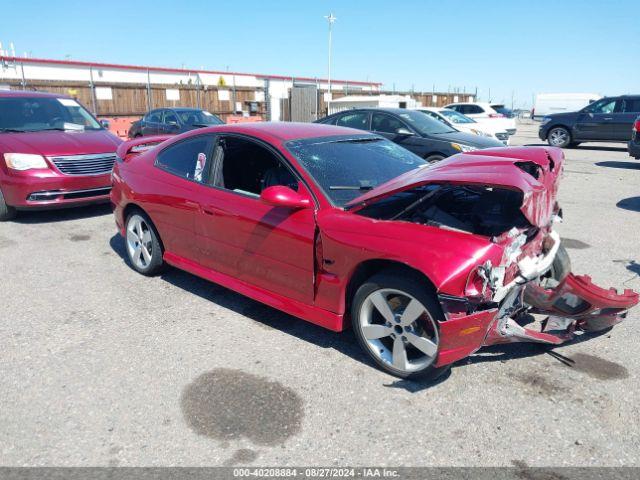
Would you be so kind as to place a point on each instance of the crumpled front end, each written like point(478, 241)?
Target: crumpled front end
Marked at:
point(569, 305)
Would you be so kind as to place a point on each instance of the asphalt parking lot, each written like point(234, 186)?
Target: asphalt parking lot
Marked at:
point(102, 366)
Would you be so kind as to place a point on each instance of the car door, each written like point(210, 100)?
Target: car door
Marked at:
point(627, 110)
point(179, 175)
point(151, 123)
point(239, 235)
point(170, 123)
point(398, 132)
point(595, 122)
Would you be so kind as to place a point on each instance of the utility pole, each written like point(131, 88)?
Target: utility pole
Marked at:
point(330, 18)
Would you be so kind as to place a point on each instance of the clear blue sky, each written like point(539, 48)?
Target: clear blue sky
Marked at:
point(516, 46)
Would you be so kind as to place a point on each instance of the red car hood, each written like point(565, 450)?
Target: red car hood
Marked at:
point(499, 167)
point(56, 142)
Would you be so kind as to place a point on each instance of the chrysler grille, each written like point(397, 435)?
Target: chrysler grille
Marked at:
point(97, 164)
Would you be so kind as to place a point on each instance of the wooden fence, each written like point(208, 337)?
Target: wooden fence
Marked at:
point(135, 100)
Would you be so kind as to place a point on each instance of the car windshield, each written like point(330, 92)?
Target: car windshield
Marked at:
point(344, 167)
point(456, 117)
point(198, 117)
point(424, 124)
point(35, 114)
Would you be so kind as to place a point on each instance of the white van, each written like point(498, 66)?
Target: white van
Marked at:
point(547, 103)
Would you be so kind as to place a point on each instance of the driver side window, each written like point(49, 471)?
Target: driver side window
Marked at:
point(386, 124)
point(244, 166)
point(605, 106)
point(169, 117)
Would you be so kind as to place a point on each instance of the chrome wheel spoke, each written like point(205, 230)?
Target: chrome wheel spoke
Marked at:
point(137, 252)
point(132, 237)
point(411, 313)
point(399, 359)
point(373, 332)
point(145, 254)
point(146, 237)
point(380, 302)
point(423, 344)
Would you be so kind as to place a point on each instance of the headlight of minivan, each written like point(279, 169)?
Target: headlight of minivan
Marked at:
point(24, 161)
point(463, 148)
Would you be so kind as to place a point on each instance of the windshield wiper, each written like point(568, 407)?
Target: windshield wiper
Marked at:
point(350, 187)
point(364, 185)
point(12, 130)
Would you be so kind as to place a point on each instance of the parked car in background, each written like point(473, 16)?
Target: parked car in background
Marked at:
point(171, 121)
point(504, 118)
point(426, 137)
point(609, 119)
point(346, 229)
point(467, 124)
point(634, 143)
point(549, 103)
point(53, 153)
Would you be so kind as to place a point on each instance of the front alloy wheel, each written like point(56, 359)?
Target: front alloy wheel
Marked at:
point(393, 319)
point(559, 137)
point(143, 247)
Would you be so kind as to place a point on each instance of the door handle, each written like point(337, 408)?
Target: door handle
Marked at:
point(608, 118)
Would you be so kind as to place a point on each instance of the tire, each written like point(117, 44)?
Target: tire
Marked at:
point(434, 158)
point(142, 244)
point(6, 212)
point(390, 339)
point(559, 137)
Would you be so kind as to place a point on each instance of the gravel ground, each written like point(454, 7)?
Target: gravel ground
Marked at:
point(102, 366)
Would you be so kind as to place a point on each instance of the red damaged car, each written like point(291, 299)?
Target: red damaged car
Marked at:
point(427, 263)
point(53, 153)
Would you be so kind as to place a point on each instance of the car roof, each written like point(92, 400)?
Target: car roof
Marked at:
point(25, 93)
point(284, 131)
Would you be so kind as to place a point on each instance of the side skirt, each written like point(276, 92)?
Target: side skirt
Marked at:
point(318, 316)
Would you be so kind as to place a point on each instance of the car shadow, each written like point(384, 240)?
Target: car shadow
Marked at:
point(264, 315)
point(344, 342)
point(625, 165)
point(62, 215)
point(632, 204)
point(598, 148)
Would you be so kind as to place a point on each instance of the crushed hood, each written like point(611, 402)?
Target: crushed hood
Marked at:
point(512, 168)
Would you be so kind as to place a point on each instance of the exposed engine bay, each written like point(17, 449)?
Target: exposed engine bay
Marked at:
point(488, 211)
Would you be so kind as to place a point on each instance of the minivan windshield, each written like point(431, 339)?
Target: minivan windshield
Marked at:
point(456, 117)
point(35, 114)
point(345, 167)
point(424, 124)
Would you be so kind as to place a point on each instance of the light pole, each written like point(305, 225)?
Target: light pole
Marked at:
point(330, 18)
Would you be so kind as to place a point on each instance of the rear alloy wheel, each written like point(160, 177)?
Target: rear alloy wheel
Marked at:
point(559, 137)
point(143, 247)
point(394, 321)
point(6, 212)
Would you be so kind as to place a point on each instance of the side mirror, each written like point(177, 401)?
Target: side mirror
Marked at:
point(105, 123)
point(405, 132)
point(281, 196)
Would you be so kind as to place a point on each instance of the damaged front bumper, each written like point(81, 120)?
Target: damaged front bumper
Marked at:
point(574, 305)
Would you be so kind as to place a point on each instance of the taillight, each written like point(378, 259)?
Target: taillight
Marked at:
point(636, 126)
point(496, 115)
